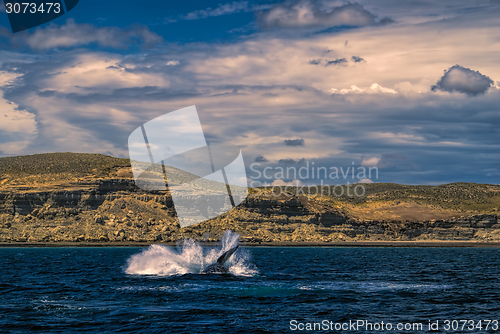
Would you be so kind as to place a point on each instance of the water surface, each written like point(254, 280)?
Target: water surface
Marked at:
point(89, 289)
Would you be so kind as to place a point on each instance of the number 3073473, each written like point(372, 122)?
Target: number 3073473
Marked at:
point(27, 7)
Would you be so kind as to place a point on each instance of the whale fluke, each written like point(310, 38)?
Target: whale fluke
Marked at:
point(224, 257)
point(219, 267)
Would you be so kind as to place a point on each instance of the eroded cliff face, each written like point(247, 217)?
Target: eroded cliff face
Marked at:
point(114, 210)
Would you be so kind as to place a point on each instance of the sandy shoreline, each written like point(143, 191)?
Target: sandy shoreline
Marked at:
point(437, 243)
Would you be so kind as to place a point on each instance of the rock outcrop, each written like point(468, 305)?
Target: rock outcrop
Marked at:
point(49, 203)
point(125, 213)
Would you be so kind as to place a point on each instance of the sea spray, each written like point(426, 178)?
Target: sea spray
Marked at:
point(189, 259)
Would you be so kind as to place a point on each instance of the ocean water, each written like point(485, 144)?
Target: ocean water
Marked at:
point(270, 289)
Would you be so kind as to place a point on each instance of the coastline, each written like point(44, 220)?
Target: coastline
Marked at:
point(368, 244)
point(50, 201)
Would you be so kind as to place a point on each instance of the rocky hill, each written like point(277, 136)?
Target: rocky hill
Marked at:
point(91, 198)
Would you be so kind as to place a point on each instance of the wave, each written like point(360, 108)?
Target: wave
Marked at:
point(190, 258)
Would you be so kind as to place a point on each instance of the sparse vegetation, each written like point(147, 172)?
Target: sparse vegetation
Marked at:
point(69, 197)
point(57, 167)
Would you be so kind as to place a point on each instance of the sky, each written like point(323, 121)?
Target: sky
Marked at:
point(409, 89)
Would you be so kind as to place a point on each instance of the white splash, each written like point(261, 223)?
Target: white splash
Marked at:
point(190, 259)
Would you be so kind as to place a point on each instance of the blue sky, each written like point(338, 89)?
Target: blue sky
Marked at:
point(409, 88)
point(210, 21)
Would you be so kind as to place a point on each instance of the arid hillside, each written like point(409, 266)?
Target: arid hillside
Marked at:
point(69, 197)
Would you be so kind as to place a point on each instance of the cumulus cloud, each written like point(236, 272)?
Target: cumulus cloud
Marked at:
point(308, 13)
point(286, 161)
point(374, 88)
point(463, 80)
point(315, 61)
point(73, 34)
point(260, 158)
point(294, 142)
point(365, 181)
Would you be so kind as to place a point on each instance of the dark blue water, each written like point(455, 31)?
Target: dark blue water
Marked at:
point(86, 289)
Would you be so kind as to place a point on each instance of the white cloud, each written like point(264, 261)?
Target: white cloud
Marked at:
point(374, 88)
point(73, 34)
point(7, 78)
point(365, 181)
point(370, 161)
point(308, 13)
point(94, 72)
point(222, 9)
point(379, 89)
point(17, 125)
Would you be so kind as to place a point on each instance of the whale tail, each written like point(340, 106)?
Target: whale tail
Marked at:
point(219, 267)
point(224, 257)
